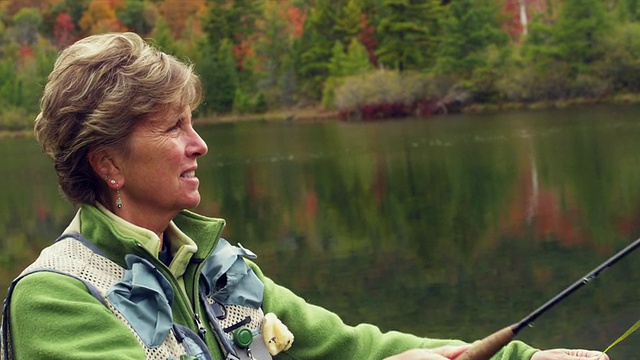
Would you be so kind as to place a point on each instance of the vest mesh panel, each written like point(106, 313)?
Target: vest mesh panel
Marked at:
point(72, 257)
point(236, 314)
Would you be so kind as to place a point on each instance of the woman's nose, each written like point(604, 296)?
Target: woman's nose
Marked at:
point(197, 147)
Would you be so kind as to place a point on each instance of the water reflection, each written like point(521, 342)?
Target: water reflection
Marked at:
point(448, 227)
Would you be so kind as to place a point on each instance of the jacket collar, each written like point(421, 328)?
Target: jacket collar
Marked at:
point(193, 236)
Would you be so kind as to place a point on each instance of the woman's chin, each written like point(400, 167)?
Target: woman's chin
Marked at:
point(192, 201)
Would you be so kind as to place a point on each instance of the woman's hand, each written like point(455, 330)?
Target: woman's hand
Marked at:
point(566, 354)
point(440, 353)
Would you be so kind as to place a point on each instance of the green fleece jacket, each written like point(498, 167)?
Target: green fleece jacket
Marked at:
point(53, 316)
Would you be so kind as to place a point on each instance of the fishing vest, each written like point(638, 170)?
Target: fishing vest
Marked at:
point(233, 310)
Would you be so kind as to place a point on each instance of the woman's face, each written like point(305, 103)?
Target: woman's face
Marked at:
point(158, 173)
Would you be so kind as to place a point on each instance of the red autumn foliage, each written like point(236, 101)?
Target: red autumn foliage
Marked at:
point(393, 110)
point(64, 30)
point(296, 18)
point(25, 52)
point(512, 11)
point(368, 38)
point(242, 52)
point(545, 210)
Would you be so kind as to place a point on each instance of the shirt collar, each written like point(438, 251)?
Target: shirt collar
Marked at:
point(182, 247)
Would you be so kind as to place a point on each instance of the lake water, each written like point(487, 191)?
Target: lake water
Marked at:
point(448, 227)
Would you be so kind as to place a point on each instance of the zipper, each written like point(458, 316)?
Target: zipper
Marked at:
point(201, 329)
point(191, 309)
point(196, 284)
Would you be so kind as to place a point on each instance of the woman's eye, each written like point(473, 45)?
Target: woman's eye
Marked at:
point(176, 126)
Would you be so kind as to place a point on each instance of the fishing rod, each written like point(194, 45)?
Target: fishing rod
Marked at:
point(487, 347)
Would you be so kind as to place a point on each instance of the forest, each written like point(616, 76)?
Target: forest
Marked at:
point(357, 59)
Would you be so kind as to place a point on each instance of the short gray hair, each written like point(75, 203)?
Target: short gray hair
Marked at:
point(100, 88)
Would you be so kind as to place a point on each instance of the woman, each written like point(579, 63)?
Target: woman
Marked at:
point(137, 276)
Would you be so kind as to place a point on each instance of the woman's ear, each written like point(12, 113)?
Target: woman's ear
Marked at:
point(103, 164)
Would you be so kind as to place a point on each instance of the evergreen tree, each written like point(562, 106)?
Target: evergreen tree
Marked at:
point(338, 58)
point(274, 50)
point(629, 10)
point(162, 38)
point(408, 33)
point(219, 76)
point(9, 94)
point(234, 20)
point(135, 16)
point(579, 33)
point(313, 48)
point(357, 59)
point(469, 29)
point(349, 21)
point(329, 21)
point(343, 64)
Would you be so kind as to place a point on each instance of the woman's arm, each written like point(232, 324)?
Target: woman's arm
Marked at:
point(321, 334)
point(53, 316)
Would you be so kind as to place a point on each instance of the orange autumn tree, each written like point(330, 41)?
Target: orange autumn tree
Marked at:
point(178, 14)
point(278, 29)
point(12, 7)
point(101, 17)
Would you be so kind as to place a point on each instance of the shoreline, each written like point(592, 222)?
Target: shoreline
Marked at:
point(321, 114)
point(288, 115)
point(15, 134)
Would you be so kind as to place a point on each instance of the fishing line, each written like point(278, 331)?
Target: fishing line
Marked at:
point(633, 328)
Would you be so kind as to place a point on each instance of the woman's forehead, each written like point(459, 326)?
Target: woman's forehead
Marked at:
point(168, 114)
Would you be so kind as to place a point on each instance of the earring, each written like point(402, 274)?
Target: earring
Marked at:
point(118, 200)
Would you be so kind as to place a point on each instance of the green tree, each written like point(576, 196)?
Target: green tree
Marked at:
point(8, 79)
point(621, 63)
point(336, 73)
point(138, 16)
point(338, 58)
point(313, 48)
point(629, 10)
point(579, 33)
point(349, 20)
point(408, 33)
point(21, 84)
point(219, 76)
point(234, 20)
point(162, 38)
point(469, 29)
point(354, 61)
point(538, 44)
point(26, 24)
point(274, 49)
